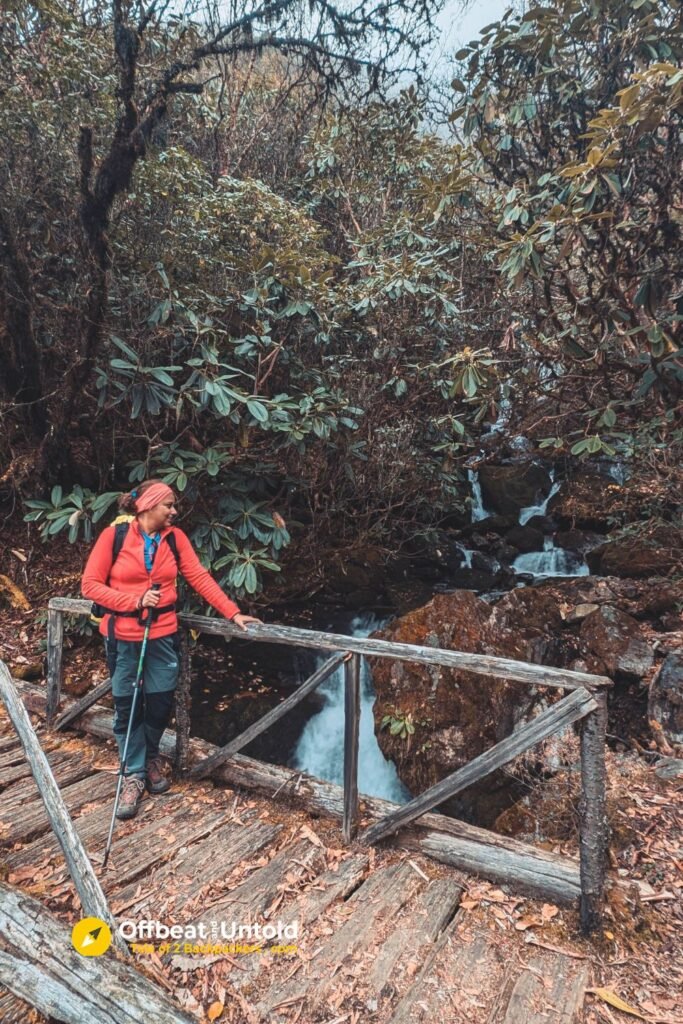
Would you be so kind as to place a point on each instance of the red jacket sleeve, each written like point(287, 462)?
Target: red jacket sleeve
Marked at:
point(96, 574)
point(200, 579)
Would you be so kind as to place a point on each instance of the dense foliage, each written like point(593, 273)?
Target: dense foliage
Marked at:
point(232, 261)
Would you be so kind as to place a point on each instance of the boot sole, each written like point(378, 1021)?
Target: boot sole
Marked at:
point(158, 787)
point(124, 815)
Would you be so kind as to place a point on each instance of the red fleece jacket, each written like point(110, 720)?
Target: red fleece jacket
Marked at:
point(128, 580)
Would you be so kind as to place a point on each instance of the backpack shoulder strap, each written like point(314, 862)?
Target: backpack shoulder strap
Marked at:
point(120, 532)
point(171, 541)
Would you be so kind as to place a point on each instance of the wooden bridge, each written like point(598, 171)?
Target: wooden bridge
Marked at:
point(381, 935)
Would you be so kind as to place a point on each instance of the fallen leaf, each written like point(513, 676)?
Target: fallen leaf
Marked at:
point(548, 912)
point(527, 922)
point(614, 1000)
point(310, 834)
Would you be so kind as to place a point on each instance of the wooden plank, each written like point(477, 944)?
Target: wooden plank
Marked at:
point(8, 743)
point(502, 859)
point(213, 858)
point(78, 707)
point(593, 824)
point(39, 964)
point(249, 900)
point(209, 764)
point(376, 904)
point(316, 899)
point(479, 664)
point(87, 884)
point(554, 719)
point(547, 991)
point(19, 795)
point(172, 827)
point(463, 960)
point(34, 821)
point(183, 706)
point(16, 1011)
point(351, 732)
point(55, 643)
point(22, 770)
point(11, 753)
point(410, 942)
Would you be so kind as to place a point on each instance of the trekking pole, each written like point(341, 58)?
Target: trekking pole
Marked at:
point(124, 755)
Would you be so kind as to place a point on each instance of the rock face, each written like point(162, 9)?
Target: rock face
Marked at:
point(665, 703)
point(616, 640)
point(458, 715)
point(626, 558)
point(508, 489)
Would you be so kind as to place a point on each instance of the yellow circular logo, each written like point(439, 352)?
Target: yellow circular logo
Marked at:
point(91, 936)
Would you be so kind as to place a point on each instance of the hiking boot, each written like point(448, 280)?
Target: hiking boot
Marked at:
point(131, 794)
point(156, 778)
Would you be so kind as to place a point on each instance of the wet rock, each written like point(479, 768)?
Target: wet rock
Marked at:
point(665, 702)
point(484, 563)
point(492, 524)
point(573, 540)
point(505, 552)
point(526, 538)
point(616, 639)
point(630, 558)
point(642, 599)
point(457, 714)
point(585, 500)
point(579, 612)
point(669, 768)
point(510, 488)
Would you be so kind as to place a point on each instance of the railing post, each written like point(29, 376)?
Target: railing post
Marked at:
point(183, 706)
point(351, 731)
point(55, 643)
point(593, 825)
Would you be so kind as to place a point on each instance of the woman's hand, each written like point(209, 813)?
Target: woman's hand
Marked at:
point(242, 620)
point(150, 599)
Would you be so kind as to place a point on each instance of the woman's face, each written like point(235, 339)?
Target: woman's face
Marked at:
point(162, 515)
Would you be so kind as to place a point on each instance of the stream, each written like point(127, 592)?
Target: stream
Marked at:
point(311, 737)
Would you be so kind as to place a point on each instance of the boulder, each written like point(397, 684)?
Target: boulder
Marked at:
point(585, 500)
point(630, 558)
point(510, 488)
point(665, 702)
point(616, 639)
point(526, 538)
point(579, 612)
point(458, 715)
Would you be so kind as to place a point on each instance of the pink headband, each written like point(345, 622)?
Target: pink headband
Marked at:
point(152, 496)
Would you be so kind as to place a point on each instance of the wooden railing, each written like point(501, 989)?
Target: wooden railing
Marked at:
point(586, 703)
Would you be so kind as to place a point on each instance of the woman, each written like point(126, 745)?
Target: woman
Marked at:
point(152, 552)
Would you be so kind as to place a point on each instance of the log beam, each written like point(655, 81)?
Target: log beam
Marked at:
point(499, 858)
point(593, 824)
point(479, 664)
point(39, 964)
point(225, 753)
point(550, 721)
point(87, 884)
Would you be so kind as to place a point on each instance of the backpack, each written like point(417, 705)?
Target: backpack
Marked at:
point(97, 611)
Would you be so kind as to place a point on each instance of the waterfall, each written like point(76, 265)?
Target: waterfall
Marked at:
point(540, 510)
point(552, 561)
point(478, 510)
point(320, 750)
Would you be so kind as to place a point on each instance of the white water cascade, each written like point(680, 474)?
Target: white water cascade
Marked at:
point(552, 561)
point(540, 510)
point(320, 750)
point(478, 510)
